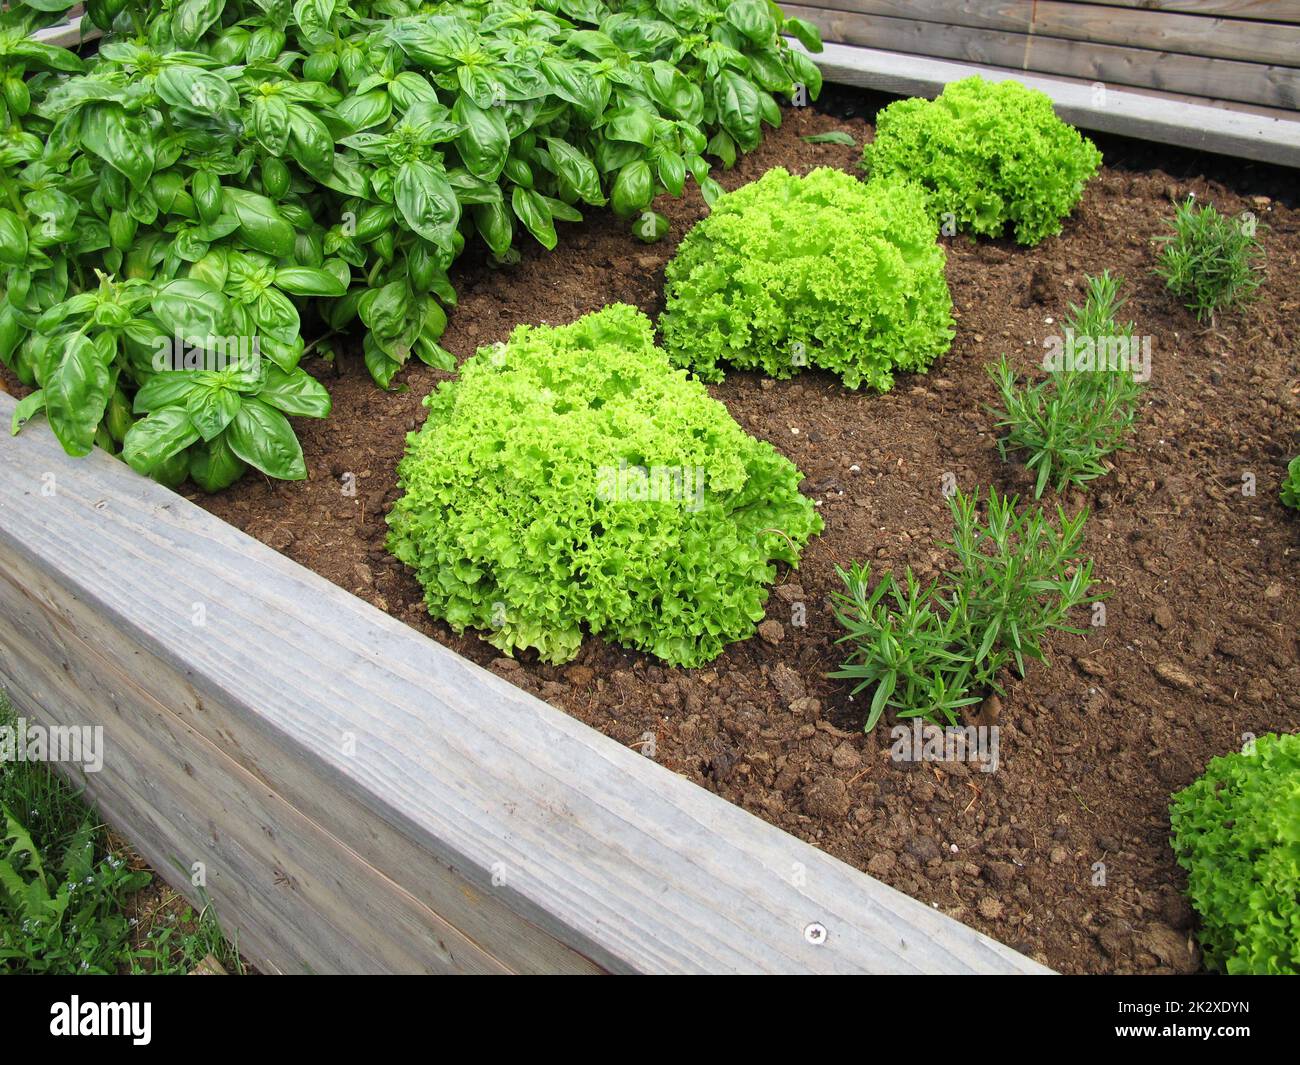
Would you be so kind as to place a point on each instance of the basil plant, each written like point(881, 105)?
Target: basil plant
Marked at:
point(214, 181)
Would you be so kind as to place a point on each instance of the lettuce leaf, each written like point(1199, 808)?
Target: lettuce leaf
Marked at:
point(789, 272)
point(991, 154)
point(1236, 831)
point(571, 481)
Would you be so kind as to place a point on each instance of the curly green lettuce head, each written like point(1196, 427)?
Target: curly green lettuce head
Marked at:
point(1237, 833)
point(789, 272)
point(572, 480)
point(1291, 484)
point(990, 154)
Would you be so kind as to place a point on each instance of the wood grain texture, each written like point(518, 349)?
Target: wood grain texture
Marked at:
point(306, 903)
point(540, 843)
point(1253, 42)
point(71, 33)
point(1266, 10)
point(271, 761)
point(1251, 133)
point(1273, 86)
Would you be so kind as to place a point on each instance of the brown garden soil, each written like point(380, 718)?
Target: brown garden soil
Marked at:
point(1200, 642)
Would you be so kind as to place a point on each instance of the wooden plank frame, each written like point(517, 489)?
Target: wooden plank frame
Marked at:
point(70, 33)
point(1265, 134)
point(1255, 83)
point(1159, 31)
point(356, 797)
point(1264, 10)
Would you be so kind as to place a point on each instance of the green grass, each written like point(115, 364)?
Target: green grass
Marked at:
point(72, 900)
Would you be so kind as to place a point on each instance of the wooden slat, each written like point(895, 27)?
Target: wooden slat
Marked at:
point(306, 903)
point(1272, 86)
point(1265, 10)
point(270, 760)
point(70, 33)
point(543, 843)
point(1253, 42)
point(1249, 133)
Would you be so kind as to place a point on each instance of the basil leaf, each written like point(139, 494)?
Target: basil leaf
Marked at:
point(263, 437)
point(576, 83)
point(151, 441)
point(11, 332)
point(13, 239)
point(768, 69)
point(346, 177)
point(669, 88)
point(295, 393)
point(382, 368)
point(651, 227)
point(384, 310)
point(633, 188)
point(276, 316)
point(806, 72)
point(271, 124)
point(576, 169)
point(190, 87)
point(531, 209)
point(834, 136)
point(426, 201)
point(124, 143)
point(26, 409)
point(805, 33)
point(192, 18)
point(309, 281)
point(368, 109)
point(76, 393)
point(314, 18)
point(494, 223)
point(261, 225)
point(166, 389)
point(633, 124)
point(672, 172)
point(46, 55)
point(753, 19)
point(470, 189)
point(484, 143)
point(191, 309)
point(739, 108)
point(562, 211)
point(431, 354)
point(214, 466)
point(313, 145)
point(211, 408)
point(482, 86)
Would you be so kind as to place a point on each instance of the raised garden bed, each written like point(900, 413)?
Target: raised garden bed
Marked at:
point(355, 796)
point(1198, 650)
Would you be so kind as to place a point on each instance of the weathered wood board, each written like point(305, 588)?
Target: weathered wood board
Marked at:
point(1249, 133)
point(72, 32)
point(364, 800)
point(1222, 38)
point(1193, 75)
point(1266, 10)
